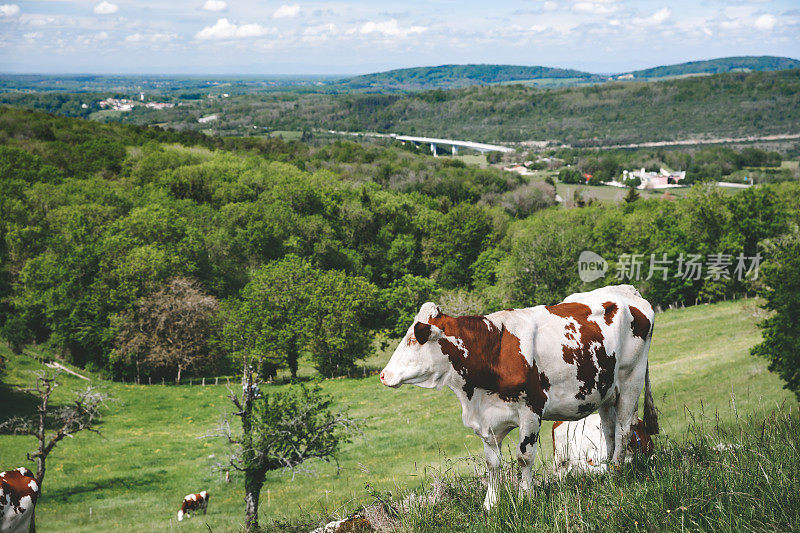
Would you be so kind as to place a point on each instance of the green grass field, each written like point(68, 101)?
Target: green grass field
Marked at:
point(134, 476)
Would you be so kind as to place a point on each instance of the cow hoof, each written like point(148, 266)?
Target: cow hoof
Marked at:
point(489, 502)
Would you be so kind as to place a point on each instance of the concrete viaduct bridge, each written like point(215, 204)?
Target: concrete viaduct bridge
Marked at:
point(453, 144)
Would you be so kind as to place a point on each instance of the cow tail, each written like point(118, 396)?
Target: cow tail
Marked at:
point(650, 415)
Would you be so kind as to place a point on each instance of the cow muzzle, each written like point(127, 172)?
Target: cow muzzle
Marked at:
point(390, 379)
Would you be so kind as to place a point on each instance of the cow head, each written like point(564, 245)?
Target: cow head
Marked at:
point(418, 359)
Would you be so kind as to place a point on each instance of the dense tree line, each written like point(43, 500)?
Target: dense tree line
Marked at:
point(111, 235)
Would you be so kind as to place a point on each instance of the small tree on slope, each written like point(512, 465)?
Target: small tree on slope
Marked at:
point(281, 430)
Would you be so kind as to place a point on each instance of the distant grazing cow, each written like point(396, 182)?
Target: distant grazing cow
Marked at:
point(517, 367)
point(18, 494)
point(581, 446)
point(192, 502)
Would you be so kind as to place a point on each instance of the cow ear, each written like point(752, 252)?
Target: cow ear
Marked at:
point(422, 332)
point(426, 332)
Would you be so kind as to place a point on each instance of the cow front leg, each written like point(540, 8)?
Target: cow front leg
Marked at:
point(493, 460)
point(526, 453)
point(491, 447)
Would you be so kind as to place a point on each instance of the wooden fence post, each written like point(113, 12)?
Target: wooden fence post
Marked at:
point(204, 382)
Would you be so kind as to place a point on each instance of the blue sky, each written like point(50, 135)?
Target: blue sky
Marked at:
point(356, 36)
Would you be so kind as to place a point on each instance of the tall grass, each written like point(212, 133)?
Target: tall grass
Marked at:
point(740, 477)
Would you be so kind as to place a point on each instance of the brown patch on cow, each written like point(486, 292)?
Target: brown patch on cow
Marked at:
point(422, 332)
point(15, 485)
point(611, 310)
point(640, 324)
point(553, 433)
point(640, 441)
point(490, 358)
point(590, 339)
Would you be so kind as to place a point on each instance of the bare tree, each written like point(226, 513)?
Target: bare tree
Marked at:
point(280, 430)
point(170, 328)
point(82, 413)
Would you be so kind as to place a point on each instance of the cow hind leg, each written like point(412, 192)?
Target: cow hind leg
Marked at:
point(608, 419)
point(528, 438)
point(626, 410)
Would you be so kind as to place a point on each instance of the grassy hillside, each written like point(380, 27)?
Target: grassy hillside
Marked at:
point(150, 456)
point(454, 76)
point(719, 65)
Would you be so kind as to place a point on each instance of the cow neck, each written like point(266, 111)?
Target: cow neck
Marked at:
point(490, 358)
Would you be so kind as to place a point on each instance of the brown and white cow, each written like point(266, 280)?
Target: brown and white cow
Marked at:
point(517, 367)
point(580, 445)
point(193, 502)
point(18, 494)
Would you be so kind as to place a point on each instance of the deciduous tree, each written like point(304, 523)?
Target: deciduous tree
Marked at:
point(170, 329)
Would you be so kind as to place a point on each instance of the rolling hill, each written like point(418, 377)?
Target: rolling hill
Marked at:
point(457, 76)
point(720, 105)
point(717, 66)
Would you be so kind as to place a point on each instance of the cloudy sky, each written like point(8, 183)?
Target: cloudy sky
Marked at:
point(356, 36)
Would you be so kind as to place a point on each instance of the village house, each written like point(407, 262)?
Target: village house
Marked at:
point(663, 179)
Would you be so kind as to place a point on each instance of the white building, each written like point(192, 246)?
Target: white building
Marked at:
point(663, 179)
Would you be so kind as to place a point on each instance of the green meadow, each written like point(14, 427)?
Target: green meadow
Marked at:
point(151, 452)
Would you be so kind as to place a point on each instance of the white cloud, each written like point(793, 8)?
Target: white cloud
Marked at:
point(550, 6)
point(596, 8)
point(33, 36)
point(320, 29)
point(150, 37)
point(215, 5)
point(319, 33)
point(659, 17)
point(390, 28)
point(286, 11)
point(9, 10)
point(765, 22)
point(105, 8)
point(224, 30)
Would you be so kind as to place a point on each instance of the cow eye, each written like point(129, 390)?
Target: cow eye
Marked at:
point(412, 340)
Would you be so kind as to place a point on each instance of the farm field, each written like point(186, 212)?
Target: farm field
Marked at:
point(133, 477)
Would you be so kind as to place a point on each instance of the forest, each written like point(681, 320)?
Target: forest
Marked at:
point(288, 250)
